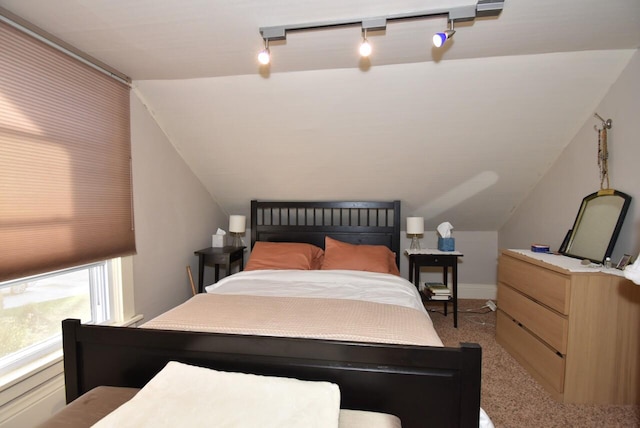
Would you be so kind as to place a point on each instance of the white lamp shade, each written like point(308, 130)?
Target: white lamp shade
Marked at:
point(415, 225)
point(237, 223)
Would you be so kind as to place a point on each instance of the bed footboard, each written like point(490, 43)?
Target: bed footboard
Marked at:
point(424, 386)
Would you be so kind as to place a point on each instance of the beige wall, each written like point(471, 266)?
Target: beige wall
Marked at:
point(550, 210)
point(174, 216)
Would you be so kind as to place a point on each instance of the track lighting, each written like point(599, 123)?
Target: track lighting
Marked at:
point(264, 57)
point(439, 39)
point(365, 46)
point(467, 12)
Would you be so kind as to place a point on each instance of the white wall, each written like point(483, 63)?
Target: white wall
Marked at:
point(174, 216)
point(550, 210)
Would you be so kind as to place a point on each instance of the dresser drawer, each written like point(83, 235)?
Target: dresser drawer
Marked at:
point(544, 285)
point(541, 321)
point(541, 361)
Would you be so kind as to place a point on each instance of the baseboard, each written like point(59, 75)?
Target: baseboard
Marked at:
point(477, 291)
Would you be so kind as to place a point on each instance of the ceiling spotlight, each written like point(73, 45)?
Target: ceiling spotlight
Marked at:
point(264, 57)
point(365, 46)
point(440, 38)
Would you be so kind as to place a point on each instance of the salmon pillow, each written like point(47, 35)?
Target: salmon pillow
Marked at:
point(284, 255)
point(340, 255)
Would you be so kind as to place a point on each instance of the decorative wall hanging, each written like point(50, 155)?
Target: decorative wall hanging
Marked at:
point(603, 151)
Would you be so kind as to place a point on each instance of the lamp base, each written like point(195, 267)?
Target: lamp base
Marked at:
point(415, 244)
point(237, 240)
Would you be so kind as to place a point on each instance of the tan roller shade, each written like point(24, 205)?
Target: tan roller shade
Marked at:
point(65, 160)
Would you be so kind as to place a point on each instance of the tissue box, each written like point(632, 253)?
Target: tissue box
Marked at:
point(446, 244)
point(218, 240)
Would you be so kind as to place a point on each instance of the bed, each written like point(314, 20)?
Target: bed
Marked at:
point(422, 385)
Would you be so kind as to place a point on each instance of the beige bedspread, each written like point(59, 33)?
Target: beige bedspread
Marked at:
point(320, 318)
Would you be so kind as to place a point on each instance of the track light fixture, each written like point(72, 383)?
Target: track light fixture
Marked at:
point(440, 38)
point(365, 46)
point(458, 13)
point(264, 57)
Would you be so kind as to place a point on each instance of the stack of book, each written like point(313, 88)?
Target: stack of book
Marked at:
point(437, 291)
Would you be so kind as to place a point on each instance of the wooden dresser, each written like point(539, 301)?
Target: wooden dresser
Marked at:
point(576, 331)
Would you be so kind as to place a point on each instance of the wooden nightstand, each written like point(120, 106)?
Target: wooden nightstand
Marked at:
point(216, 257)
point(443, 259)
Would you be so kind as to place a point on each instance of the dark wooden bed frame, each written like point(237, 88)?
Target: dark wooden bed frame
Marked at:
point(424, 386)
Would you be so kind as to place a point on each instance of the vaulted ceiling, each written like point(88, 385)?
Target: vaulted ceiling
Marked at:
point(460, 134)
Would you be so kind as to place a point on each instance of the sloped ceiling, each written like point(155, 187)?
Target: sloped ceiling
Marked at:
point(461, 134)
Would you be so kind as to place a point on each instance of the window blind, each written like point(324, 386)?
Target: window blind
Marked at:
point(65, 160)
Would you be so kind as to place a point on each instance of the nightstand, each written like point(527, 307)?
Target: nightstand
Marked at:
point(444, 259)
point(216, 257)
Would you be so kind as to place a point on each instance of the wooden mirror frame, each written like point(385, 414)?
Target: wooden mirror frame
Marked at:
point(606, 210)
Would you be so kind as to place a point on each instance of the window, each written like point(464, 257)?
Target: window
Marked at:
point(65, 205)
point(33, 308)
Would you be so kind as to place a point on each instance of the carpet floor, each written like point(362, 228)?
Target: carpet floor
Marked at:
point(510, 396)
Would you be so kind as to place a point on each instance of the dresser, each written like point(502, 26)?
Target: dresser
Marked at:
point(574, 328)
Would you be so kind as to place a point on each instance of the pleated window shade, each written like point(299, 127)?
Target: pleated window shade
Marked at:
point(65, 160)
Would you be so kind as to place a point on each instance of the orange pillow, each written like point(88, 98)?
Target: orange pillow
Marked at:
point(284, 255)
point(370, 258)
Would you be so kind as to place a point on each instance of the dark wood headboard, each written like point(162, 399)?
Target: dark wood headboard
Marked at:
point(371, 223)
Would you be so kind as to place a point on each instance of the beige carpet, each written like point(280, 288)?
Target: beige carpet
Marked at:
point(511, 397)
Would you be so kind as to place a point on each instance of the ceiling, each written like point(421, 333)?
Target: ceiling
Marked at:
point(459, 134)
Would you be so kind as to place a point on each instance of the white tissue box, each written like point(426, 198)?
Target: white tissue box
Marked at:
point(218, 241)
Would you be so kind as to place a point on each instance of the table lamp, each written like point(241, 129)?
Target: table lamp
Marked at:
point(237, 226)
point(415, 227)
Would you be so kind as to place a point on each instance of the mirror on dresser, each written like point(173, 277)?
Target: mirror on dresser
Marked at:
point(597, 225)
